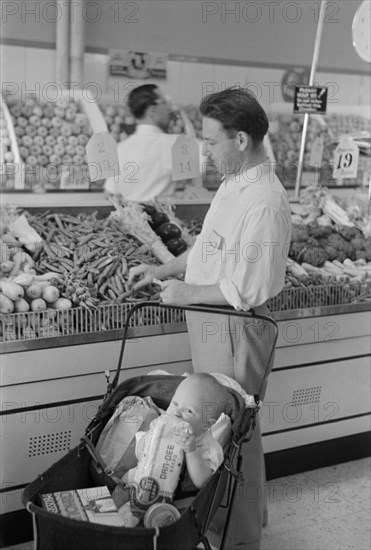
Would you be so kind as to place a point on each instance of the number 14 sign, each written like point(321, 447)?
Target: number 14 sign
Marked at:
point(185, 158)
point(346, 159)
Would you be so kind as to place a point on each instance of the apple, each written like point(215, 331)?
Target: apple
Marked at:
point(82, 139)
point(35, 120)
point(62, 140)
point(22, 122)
point(31, 160)
point(66, 130)
point(27, 141)
point(19, 131)
point(50, 140)
point(70, 150)
point(23, 151)
point(35, 150)
point(31, 130)
point(59, 150)
point(37, 111)
point(72, 140)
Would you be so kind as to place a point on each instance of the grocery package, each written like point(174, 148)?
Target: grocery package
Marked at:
point(159, 465)
point(93, 504)
point(116, 443)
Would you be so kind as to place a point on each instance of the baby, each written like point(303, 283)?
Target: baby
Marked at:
point(196, 405)
point(198, 402)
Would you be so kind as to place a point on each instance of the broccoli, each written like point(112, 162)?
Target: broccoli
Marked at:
point(296, 251)
point(298, 233)
point(348, 233)
point(359, 243)
point(315, 256)
point(319, 231)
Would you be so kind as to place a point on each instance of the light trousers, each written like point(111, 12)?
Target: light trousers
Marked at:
point(241, 348)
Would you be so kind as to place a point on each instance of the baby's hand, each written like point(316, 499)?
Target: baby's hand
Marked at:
point(183, 435)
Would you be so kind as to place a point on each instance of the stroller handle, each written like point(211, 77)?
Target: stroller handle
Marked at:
point(202, 308)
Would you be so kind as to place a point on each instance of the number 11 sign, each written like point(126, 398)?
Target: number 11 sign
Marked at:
point(185, 158)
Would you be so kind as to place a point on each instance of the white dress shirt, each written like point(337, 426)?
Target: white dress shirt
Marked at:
point(244, 240)
point(145, 165)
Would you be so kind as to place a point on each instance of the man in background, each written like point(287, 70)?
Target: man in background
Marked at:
point(145, 157)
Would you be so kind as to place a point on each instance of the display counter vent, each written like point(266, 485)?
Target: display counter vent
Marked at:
point(49, 443)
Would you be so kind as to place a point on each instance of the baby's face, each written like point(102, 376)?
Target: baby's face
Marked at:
point(191, 405)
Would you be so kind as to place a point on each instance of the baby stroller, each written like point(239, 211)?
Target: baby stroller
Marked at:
point(57, 532)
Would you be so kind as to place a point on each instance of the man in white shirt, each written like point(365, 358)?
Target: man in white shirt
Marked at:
point(238, 259)
point(145, 156)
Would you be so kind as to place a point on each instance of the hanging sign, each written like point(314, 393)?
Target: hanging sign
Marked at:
point(346, 158)
point(185, 158)
point(316, 152)
point(310, 99)
point(137, 64)
point(103, 161)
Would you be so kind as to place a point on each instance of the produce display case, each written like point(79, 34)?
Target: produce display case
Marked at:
point(51, 137)
point(286, 131)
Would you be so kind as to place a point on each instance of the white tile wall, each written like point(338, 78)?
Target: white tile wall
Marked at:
point(186, 82)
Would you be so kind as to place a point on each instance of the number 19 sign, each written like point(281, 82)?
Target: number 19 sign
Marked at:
point(346, 159)
point(185, 158)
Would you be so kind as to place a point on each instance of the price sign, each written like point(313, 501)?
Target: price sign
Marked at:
point(310, 99)
point(185, 158)
point(316, 153)
point(74, 177)
point(346, 159)
point(102, 156)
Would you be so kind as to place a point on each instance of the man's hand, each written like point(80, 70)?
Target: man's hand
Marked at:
point(176, 293)
point(148, 273)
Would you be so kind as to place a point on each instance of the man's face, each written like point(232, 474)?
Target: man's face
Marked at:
point(219, 147)
point(162, 110)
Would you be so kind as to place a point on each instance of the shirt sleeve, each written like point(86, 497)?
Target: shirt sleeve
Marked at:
point(212, 453)
point(259, 272)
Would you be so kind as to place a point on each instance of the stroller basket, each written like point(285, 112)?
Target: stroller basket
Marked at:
point(71, 472)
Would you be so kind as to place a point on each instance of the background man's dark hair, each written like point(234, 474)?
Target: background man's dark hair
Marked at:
point(141, 98)
point(237, 110)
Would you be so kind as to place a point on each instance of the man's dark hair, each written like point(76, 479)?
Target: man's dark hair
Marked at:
point(141, 98)
point(237, 110)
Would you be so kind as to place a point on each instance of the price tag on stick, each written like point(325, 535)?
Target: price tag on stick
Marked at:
point(185, 158)
point(316, 152)
point(346, 158)
point(102, 156)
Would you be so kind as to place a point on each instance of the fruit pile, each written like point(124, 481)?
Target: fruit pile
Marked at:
point(286, 134)
point(50, 134)
point(119, 121)
point(6, 155)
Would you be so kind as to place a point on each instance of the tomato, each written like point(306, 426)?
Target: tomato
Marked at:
point(177, 246)
point(168, 231)
point(158, 219)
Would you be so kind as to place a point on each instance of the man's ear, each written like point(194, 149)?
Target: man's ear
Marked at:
point(242, 140)
point(151, 110)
